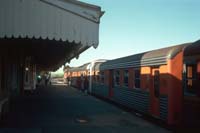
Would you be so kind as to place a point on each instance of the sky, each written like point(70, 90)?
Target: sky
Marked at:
point(133, 26)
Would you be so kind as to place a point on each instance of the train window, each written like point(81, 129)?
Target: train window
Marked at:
point(97, 77)
point(157, 83)
point(94, 77)
point(117, 76)
point(191, 76)
point(102, 77)
point(126, 76)
point(137, 78)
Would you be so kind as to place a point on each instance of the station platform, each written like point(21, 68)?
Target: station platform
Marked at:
point(62, 109)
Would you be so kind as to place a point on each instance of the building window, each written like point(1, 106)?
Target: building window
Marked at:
point(137, 78)
point(126, 76)
point(26, 74)
point(117, 77)
point(3, 69)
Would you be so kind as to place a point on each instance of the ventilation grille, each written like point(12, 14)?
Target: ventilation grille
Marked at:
point(132, 98)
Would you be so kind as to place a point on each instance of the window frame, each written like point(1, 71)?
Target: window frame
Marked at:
point(126, 78)
point(117, 77)
point(137, 79)
point(187, 78)
point(98, 77)
point(156, 83)
point(102, 77)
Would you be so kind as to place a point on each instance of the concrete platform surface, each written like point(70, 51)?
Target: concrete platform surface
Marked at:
point(61, 109)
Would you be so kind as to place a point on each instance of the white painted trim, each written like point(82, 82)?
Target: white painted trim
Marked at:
point(78, 8)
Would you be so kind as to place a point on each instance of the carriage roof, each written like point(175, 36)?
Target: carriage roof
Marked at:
point(150, 58)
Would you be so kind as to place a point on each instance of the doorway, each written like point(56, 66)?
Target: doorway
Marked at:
point(191, 99)
point(156, 92)
point(111, 83)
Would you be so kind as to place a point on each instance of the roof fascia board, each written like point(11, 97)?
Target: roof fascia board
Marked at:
point(77, 8)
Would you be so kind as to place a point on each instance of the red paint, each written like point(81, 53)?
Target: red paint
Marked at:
point(175, 89)
point(198, 67)
point(198, 78)
point(170, 79)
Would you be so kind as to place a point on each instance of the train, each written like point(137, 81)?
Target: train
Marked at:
point(90, 70)
point(162, 83)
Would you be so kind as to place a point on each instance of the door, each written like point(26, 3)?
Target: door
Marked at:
point(155, 93)
point(191, 101)
point(111, 83)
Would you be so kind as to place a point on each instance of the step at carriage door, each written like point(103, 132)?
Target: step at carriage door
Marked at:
point(155, 92)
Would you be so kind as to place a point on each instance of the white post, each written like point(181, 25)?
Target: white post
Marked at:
point(90, 80)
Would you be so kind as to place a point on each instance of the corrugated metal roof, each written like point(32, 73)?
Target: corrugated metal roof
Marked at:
point(155, 57)
point(86, 66)
point(97, 66)
point(80, 68)
point(71, 21)
point(193, 49)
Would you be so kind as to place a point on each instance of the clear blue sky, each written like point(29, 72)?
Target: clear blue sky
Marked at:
point(133, 26)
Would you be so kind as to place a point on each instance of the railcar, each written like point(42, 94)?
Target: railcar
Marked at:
point(163, 83)
point(76, 74)
point(96, 79)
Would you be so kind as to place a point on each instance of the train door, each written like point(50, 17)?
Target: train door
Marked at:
point(191, 99)
point(155, 92)
point(111, 83)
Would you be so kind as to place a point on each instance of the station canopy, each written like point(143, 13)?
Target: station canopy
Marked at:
point(51, 31)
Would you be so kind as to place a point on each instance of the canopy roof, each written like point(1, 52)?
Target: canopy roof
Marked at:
point(69, 22)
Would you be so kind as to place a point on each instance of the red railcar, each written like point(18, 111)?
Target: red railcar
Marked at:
point(163, 83)
point(76, 74)
point(89, 70)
